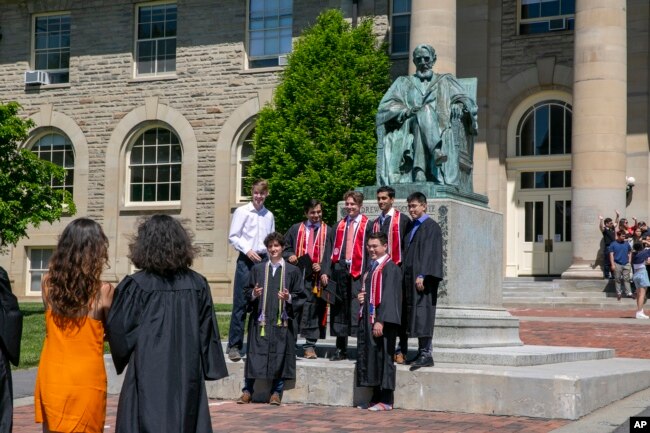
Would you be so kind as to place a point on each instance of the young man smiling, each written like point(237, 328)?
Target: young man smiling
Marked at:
point(381, 305)
point(274, 292)
point(250, 225)
point(309, 246)
point(393, 223)
point(422, 269)
point(348, 261)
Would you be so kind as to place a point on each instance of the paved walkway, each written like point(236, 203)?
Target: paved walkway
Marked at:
point(587, 328)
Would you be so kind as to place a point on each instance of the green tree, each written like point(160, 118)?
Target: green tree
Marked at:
point(317, 139)
point(26, 197)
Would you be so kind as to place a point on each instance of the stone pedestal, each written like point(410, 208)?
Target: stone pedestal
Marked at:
point(470, 309)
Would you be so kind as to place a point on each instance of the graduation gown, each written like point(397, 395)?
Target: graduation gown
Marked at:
point(375, 366)
point(404, 221)
point(11, 328)
point(309, 318)
point(345, 311)
point(272, 356)
point(422, 256)
point(166, 331)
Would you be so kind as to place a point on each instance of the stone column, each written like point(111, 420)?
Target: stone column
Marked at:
point(434, 23)
point(599, 126)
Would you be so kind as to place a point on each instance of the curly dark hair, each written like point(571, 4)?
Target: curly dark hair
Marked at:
point(75, 269)
point(162, 246)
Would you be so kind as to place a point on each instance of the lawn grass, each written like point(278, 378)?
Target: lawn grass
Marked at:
point(34, 331)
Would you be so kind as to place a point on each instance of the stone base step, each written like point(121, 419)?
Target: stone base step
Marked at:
point(570, 383)
point(567, 390)
point(505, 356)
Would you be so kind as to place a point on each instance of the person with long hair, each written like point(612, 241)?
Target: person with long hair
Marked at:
point(70, 394)
point(162, 325)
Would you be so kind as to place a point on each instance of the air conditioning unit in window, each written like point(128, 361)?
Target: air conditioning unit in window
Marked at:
point(37, 77)
point(282, 60)
point(557, 24)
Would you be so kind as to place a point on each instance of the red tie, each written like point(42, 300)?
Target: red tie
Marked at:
point(349, 240)
point(312, 240)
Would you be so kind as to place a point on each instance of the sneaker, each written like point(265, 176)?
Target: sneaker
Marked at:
point(618, 296)
point(641, 315)
point(380, 407)
point(275, 399)
point(399, 359)
point(245, 398)
point(310, 353)
point(233, 354)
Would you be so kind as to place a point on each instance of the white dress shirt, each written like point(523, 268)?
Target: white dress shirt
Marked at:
point(249, 227)
point(275, 267)
point(383, 216)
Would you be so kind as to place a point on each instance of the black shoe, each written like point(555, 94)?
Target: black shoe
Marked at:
point(233, 354)
point(412, 360)
point(422, 361)
point(339, 355)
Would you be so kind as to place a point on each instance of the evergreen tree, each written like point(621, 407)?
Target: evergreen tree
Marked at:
point(26, 196)
point(317, 139)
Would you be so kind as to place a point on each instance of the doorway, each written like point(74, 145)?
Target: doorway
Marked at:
point(544, 232)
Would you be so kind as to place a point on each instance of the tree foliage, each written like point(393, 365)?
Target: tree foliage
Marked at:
point(26, 195)
point(317, 139)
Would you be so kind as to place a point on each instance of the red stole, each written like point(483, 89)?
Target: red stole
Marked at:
point(374, 299)
point(394, 238)
point(316, 255)
point(359, 245)
point(319, 245)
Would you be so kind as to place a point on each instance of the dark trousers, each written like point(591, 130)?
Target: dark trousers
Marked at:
point(238, 317)
point(403, 346)
point(385, 396)
point(425, 346)
point(277, 386)
point(342, 344)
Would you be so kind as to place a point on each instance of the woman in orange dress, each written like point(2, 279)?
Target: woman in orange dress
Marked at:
point(70, 394)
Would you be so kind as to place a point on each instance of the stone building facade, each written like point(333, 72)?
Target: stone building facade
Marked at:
point(185, 80)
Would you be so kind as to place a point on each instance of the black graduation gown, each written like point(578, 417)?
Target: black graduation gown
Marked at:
point(345, 311)
point(11, 328)
point(423, 256)
point(272, 356)
point(166, 331)
point(404, 221)
point(308, 318)
point(375, 366)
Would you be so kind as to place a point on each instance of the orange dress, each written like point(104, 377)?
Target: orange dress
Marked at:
point(70, 389)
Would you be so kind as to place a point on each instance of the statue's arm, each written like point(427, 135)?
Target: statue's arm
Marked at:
point(394, 104)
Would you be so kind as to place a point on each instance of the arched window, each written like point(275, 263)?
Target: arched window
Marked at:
point(244, 157)
point(57, 148)
point(154, 170)
point(545, 129)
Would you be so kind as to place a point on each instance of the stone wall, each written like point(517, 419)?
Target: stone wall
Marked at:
point(210, 87)
point(520, 52)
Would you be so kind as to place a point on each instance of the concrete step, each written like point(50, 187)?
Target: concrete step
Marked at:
point(566, 390)
point(581, 294)
point(530, 292)
point(534, 381)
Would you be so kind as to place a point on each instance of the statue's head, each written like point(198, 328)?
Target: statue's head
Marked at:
point(424, 56)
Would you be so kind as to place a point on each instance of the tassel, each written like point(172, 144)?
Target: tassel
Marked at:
point(285, 318)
